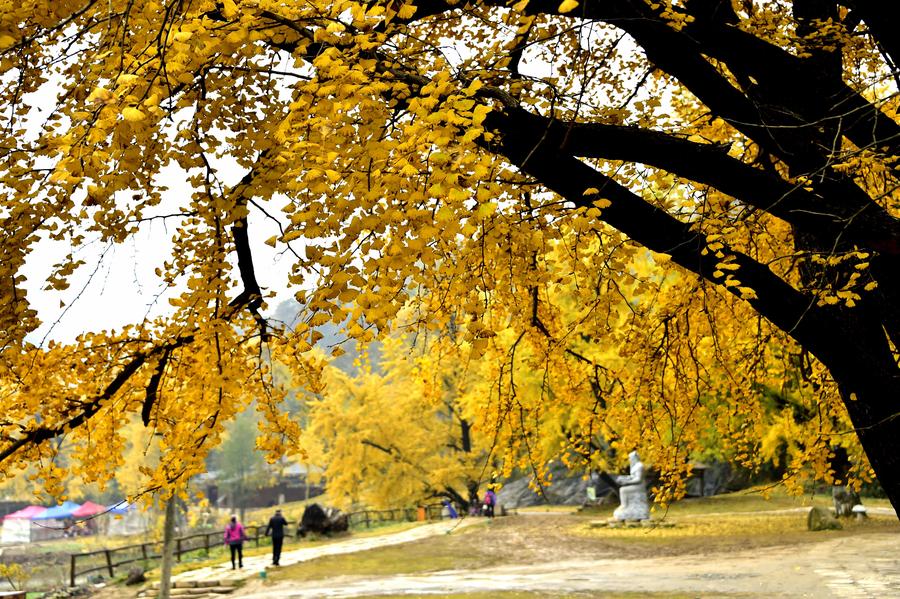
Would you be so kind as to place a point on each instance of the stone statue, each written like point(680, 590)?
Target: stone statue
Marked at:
point(632, 492)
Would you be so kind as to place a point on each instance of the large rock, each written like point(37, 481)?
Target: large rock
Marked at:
point(322, 520)
point(135, 576)
point(821, 519)
point(711, 478)
point(568, 488)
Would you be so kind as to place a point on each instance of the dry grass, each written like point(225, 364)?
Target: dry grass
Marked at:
point(726, 533)
point(538, 595)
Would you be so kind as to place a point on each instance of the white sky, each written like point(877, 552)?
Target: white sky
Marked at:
point(117, 285)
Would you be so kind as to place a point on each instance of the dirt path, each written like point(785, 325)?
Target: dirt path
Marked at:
point(865, 566)
point(858, 566)
point(256, 564)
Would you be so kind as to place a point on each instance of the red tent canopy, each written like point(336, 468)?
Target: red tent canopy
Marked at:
point(89, 508)
point(27, 513)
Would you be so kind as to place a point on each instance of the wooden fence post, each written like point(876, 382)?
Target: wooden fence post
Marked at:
point(72, 570)
point(144, 552)
point(368, 524)
point(206, 543)
point(178, 549)
point(109, 564)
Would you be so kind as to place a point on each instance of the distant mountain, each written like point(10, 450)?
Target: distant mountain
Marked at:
point(288, 311)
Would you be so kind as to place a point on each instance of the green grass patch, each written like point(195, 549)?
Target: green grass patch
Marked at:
point(739, 526)
point(85, 544)
point(429, 555)
point(751, 500)
point(220, 553)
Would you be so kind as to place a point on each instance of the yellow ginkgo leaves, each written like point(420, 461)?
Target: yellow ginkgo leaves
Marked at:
point(229, 8)
point(371, 137)
point(133, 115)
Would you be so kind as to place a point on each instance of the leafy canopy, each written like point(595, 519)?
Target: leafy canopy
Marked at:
point(406, 433)
point(504, 168)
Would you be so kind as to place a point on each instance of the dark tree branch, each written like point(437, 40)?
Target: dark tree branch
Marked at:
point(41, 434)
point(792, 311)
point(153, 386)
point(881, 17)
point(858, 221)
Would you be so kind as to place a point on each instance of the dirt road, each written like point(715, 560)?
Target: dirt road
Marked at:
point(255, 564)
point(853, 567)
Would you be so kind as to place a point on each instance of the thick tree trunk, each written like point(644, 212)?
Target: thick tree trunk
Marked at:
point(876, 418)
point(454, 497)
point(165, 578)
point(870, 395)
point(861, 362)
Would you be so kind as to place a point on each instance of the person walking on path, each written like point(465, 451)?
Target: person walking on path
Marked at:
point(276, 529)
point(490, 502)
point(234, 538)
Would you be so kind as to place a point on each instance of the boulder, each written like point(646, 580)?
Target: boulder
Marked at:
point(321, 520)
point(135, 576)
point(821, 519)
point(709, 478)
point(568, 488)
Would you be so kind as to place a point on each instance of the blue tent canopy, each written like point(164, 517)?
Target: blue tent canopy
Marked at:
point(60, 512)
point(123, 507)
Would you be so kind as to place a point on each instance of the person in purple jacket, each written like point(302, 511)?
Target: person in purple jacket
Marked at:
point(490, 502)
point(234, 538)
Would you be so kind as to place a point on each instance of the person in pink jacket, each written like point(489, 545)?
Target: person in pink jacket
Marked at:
point(234, 538)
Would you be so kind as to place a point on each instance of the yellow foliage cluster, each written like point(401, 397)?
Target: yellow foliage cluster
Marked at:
point(14, 574)
point(405, 434)
point(364, 131)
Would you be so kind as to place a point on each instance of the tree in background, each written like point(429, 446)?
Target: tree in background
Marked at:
point(401, 435)
point(443, 154)
point(241, 467)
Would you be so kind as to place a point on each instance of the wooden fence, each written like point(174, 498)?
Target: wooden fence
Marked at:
point(107, 560)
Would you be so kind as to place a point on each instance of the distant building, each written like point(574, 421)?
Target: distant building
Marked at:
point(290, 484)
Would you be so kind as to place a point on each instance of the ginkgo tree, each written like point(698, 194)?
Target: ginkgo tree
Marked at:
point(437, 154)
point(405, 433)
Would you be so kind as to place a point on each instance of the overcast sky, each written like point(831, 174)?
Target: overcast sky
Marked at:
point(117, 284)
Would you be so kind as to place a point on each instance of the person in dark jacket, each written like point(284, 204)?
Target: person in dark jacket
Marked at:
point(276, 529)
